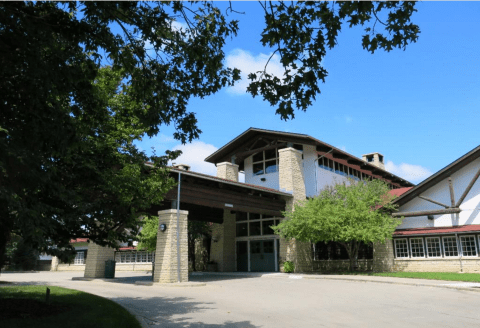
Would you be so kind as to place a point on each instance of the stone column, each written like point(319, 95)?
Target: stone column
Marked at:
point(383, 258)
point(54, 265)
point(227, 171)
point(166, 251)
point(222, 250)
point(292, 180)
point(95, 264)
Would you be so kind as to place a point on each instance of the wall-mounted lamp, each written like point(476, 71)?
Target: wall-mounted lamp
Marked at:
point(163, 227)
point(431, 217)
point(215, 239)
point(263, 179)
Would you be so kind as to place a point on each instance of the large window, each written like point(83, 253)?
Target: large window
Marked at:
point(79, 258)
point(416, 246)
point(341, 169)
point(134, 257)
point(265, 162)
point(468, 246)
point(450, 246)
point(253, 224)
point(401, 248)
point(433, 247)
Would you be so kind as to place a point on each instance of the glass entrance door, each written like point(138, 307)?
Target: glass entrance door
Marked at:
point(262, 255)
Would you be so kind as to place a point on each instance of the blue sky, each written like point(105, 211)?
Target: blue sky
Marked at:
point(418, 107)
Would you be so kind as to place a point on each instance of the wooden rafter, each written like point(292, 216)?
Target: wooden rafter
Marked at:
point(430, 212)
point(452, 195)
point(433, 201)
point(467, 190)
point(245, 154)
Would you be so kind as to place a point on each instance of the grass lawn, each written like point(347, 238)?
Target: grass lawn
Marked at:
point(68, 308)
point(450, 276)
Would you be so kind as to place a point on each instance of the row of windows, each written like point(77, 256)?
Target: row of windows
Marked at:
point(344, 170)
point(80, 257)
point(253, 224)
point(134, 257)
point(335, 251)
point(436, 247)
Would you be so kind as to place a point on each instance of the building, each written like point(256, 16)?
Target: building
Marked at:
point(441, 229)
point(280, 169)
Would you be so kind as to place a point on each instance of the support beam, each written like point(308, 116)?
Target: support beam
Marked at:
point(431, 212)
point(433, 201)
point(245, 154)
point(467, 190)
point(452, 195)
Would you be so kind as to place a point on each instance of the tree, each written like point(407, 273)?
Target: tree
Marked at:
point(197, 230)
point(347, 214)
point(68, 166)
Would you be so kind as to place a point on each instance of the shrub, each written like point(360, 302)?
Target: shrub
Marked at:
point(288, 267)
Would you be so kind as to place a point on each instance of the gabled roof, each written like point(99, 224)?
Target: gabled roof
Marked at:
point(439, 176)
point(249, 137)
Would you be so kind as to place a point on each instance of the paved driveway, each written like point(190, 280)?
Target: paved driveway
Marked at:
point(236, 301)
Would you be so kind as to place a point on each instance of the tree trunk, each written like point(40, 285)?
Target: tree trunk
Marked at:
point(6, 226)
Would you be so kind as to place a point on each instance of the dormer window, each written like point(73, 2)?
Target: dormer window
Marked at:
point(265, 162)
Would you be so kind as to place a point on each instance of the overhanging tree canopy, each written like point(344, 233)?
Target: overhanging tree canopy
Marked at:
point(67, 163)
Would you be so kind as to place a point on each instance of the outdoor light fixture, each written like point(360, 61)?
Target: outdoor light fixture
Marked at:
point(430, 217)
point(263, 179)
point(214, 239)
point(163, 227)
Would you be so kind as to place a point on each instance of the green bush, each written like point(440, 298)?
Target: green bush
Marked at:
point(288, 267)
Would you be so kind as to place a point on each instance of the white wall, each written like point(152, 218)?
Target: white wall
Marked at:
point(470, 207)
point(271, 179)
point(328, 178)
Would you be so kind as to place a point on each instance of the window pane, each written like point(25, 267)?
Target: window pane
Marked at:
point(416, 245)
point(271, 166)
point(255, 228)
point(450, 246)
point(433, 247)
point(242, 229)
point(258, 168)
point(255, 247)
point(266, 227)
point(241, 216)
point(401, 248)
point(268, 246)
point(269, 154)
point(254, 216)
point(468, 245)
point(258, 157)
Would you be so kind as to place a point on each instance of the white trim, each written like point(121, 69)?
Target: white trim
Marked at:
point(411, 248)
point(443, 246)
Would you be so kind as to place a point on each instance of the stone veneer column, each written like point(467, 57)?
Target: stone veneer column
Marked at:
point(95, 264)
point(383, 257)
point(166, 251)
point(223, 250)
point(54, 265)
point(292, 180)
point(226, 170)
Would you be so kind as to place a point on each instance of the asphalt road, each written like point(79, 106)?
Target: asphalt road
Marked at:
point(239, 301)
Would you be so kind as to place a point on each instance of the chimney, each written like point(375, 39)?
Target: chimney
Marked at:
point(181, 166)
point(374, 159)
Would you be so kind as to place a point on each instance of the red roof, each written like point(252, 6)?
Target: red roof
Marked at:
point(437, 230)
point(127, 248)
point(78, 240)
point(400, 191)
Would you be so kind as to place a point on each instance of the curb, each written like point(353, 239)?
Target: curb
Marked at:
point(474, 289)
point(175, 284)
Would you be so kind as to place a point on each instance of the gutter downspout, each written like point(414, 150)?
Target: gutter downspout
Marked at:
point(460, 253)
point(316, 160)
point(178, 226)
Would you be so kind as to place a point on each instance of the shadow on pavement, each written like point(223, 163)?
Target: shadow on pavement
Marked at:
point(174, 312)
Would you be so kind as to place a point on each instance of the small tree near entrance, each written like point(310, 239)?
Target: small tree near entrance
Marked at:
point(345, 213)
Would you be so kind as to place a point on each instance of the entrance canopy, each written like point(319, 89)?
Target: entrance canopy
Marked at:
point(205, 197)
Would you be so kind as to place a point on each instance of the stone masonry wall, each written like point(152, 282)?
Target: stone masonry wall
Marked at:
point(383, 256)
point(166, 251)
point(95, 263)
point(437, 265)
point(291, 180)
point(222, 250)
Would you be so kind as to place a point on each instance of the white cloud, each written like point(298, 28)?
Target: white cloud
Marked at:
point(177, 26)
point(194, 154)
point(410, 172)
point(248, 63)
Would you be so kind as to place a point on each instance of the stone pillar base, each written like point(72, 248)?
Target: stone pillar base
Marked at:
point(95, 264)
point(166, 251)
